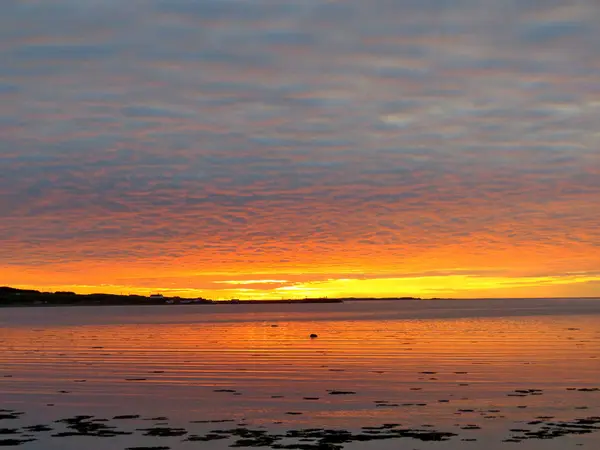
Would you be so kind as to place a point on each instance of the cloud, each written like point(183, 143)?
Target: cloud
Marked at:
point(154, 112)
point(549, 31)
point(311, 137)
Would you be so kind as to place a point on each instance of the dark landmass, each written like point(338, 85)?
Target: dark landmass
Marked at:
point(386, 299)
point(25, 297)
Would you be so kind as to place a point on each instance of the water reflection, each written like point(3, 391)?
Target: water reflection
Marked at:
point(409, 370)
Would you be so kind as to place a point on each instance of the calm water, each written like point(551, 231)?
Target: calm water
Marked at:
point(450, 366)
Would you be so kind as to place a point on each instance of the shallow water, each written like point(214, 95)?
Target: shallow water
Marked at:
point(428, 365)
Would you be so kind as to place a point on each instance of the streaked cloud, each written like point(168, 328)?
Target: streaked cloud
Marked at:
point(302, 141)
point(242, 282)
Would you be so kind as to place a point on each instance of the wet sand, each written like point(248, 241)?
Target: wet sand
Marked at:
point(418, 375)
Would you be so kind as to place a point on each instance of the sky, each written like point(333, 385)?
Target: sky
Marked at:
point(301, 148)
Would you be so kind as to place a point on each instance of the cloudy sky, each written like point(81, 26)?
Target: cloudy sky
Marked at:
point(291, 148)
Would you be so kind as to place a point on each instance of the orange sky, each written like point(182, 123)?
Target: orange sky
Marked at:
point(494, 274)
point(325, 149)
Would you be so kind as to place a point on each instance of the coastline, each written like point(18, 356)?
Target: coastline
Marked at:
point(13, 297)
point(20, 298)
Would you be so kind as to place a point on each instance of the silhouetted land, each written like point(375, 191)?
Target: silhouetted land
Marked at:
point(24, 297)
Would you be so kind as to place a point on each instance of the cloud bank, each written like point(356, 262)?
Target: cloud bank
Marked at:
point(180, 144)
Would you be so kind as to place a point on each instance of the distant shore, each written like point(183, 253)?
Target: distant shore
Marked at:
point(13, 297)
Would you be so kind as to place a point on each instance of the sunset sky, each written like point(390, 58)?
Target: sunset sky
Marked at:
point(294, 148)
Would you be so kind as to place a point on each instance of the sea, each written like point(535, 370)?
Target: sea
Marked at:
point(405, 374)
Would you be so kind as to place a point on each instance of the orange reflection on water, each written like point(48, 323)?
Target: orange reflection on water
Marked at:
point(450, 364)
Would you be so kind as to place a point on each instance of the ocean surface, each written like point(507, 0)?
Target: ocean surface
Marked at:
point(448, 374)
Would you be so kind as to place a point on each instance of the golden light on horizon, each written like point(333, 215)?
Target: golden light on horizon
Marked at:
point(429, 155)
point(450, 286)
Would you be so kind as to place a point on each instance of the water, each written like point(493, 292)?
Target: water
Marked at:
point(445, 365)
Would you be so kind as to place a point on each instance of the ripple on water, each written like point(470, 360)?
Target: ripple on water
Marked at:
point(501, 375)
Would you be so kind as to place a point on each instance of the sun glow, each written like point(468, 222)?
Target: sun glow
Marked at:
point(446, 286)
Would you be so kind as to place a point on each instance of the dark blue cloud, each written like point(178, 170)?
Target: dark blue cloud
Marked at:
point(154, 111)
point(54, 53)
point(546, 32)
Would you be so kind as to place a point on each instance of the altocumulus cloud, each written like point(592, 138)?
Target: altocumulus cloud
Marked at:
point(301, 136)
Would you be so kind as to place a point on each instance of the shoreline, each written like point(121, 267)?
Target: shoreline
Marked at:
point(20, 298)
point(216, 302)
point(13, 297)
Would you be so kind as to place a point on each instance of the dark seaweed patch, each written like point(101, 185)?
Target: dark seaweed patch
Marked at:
point(320, 439)
point(13, 442)
point(38, 428)
point(83, 426)
point(334, 392)
point(212, 421)
point(552, 430)
point(206, 438)
point(164, 431)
